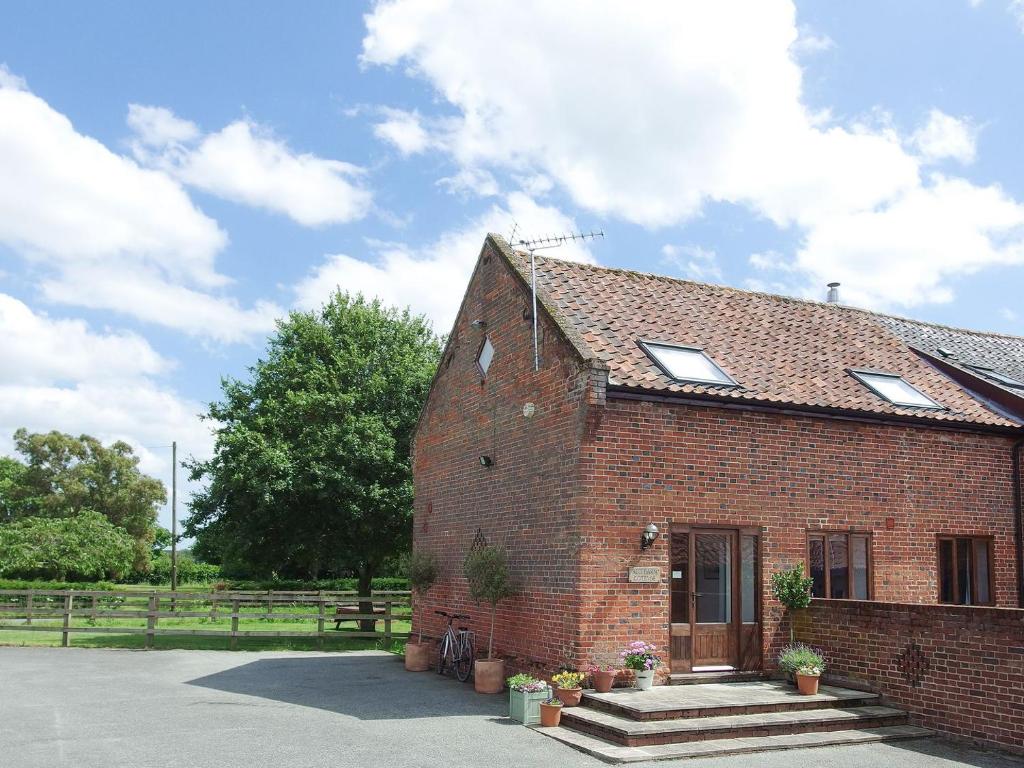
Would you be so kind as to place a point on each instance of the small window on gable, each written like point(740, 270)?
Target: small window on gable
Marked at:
point(686, 363)
point(1001, 378)
point(485, 356)
point(894, 389)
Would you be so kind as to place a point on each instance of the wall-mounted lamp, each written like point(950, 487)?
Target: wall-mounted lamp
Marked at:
point(486, 461)
point(648, 536)
point(479, 323)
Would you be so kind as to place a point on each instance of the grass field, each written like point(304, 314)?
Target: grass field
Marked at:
point(337, 640)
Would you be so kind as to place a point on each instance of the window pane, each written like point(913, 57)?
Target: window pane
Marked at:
point(896, 390)
point(486, 355)
point(963, 572)
point(748, 578)
point(816, 566)
point(713, 579)
point(838, 575)
point(687, 364)
point(946, 570)
point(981, 571)
point(859, 562)
point(680, 578)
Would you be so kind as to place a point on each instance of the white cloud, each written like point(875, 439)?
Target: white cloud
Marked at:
point(404, 130)
point(649, 112)
point(431, 279)
point(470, 182)
point(1008, 314)
point(244, 162)
point(1016, 8)
point(693, 261)
point(944, 136)
point(810, 42)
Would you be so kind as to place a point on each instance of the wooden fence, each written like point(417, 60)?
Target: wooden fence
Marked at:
point(56, 611)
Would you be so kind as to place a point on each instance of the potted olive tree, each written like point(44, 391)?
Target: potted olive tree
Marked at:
point(793, 590)
point(489, 580)
point(423, 573)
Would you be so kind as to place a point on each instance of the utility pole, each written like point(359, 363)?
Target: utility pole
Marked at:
point(174, 516)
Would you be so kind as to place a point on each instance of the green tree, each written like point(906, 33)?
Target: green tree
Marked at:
point(86, 546)
point(793, 589)
point(65, 475)
point(12, 473)
point(486, 571)
point(311, 472)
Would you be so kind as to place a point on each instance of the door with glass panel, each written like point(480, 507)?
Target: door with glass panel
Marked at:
point(715, 584)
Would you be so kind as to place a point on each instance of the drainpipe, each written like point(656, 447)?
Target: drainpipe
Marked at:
point(1018, 519)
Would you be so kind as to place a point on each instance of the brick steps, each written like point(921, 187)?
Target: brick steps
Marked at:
point(628, 732)
point(614, 753)
point(702, 678)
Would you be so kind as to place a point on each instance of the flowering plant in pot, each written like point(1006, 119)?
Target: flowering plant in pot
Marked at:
point(603, 678)
point(640, 657)
point(805, 663)
point(569, 690)
point(486, 570)
point(525, 694)
point(423, 573)
point(550, 713)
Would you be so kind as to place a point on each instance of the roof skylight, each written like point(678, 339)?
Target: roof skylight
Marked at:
point(486, 355)
point(894, 389)
point(686, 363)
point(1002, 378)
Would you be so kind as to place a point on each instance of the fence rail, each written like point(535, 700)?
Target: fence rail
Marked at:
point(40, 610)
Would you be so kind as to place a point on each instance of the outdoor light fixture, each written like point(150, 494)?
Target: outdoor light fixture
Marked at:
point(479, 324)
point(486, 461)
point(648, 536)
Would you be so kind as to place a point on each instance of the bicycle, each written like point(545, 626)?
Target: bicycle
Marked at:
point(456, 649)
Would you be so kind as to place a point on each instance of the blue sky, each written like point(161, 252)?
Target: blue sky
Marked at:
point(173, 177)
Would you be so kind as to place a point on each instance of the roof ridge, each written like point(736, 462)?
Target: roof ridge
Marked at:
point(765, 294)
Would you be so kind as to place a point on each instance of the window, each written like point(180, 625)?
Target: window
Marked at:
point(840, 565)
point(965, 570)
point(485, 356)
point(686, 363)
point(894, 389)
point(1001, 378)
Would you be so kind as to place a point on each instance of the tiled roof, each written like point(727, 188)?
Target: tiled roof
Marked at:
point(781, 351)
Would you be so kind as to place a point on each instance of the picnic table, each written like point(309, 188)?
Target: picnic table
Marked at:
point(342, 613)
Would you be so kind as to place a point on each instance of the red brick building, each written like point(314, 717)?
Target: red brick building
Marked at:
point(753, 431)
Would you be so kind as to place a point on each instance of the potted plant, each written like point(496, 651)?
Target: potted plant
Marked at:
point(602, 678)
point(486, 570)
point(569, 691)
point(640, 657)
point(550, 713)
point(525, 695)
point(805, 663)
point(793, 590)
point(423, 573)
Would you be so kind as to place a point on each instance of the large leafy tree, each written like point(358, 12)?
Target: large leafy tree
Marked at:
point(311, 473)
point(86, 546)
point(12, 473)
point(64, 475)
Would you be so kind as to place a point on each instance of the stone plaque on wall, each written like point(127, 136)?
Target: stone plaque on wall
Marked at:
point(645, 575)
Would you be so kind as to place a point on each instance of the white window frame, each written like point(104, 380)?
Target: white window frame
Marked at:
point(649, 347)
point(862, 375)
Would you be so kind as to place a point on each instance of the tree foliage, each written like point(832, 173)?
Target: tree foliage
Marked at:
point(86, 546)
point(486, 571)
point(62, 476)
point(311, 472)
point(792, 589)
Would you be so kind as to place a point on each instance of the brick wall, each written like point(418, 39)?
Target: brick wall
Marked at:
point(971, 683)
point(666, 463)
point(527, 501)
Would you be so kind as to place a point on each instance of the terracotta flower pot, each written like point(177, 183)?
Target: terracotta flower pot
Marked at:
point(550, 715)
point(603, 680)
point(570, 697)
point(418, 656)
point(489, 676)
point(807, 684)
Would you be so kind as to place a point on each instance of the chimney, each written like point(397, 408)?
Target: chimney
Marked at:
point(833, 293)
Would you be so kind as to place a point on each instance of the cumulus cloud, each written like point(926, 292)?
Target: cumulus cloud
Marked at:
point(403, 130)
point(246, 163)
point(650, 112)
point(432, 278)
point(945, 137)
point(693, 261)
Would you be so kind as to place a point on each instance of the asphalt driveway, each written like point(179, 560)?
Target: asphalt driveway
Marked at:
point(80, 708)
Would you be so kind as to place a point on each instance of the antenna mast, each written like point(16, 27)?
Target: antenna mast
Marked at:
point(540, 244)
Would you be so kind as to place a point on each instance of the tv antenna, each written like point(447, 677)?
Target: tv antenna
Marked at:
point(540, 244)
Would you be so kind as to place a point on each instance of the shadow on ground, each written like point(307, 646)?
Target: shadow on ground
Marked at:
point(371, 686)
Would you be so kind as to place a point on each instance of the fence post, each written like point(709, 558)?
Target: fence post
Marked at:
point(387, 619)
point(213, 606)
point(151, 619)
point(69, 603)
point(270, 601)
point(28, 607)
point(235, 606)
point(320, 623)
point(95, 599)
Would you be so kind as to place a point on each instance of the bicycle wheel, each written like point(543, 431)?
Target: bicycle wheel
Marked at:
point(442, 655)
point(464, 661)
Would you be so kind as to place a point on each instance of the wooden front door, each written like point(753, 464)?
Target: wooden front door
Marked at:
point(715, 610)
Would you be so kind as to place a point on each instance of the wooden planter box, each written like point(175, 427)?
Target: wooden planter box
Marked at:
point(525, 707)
